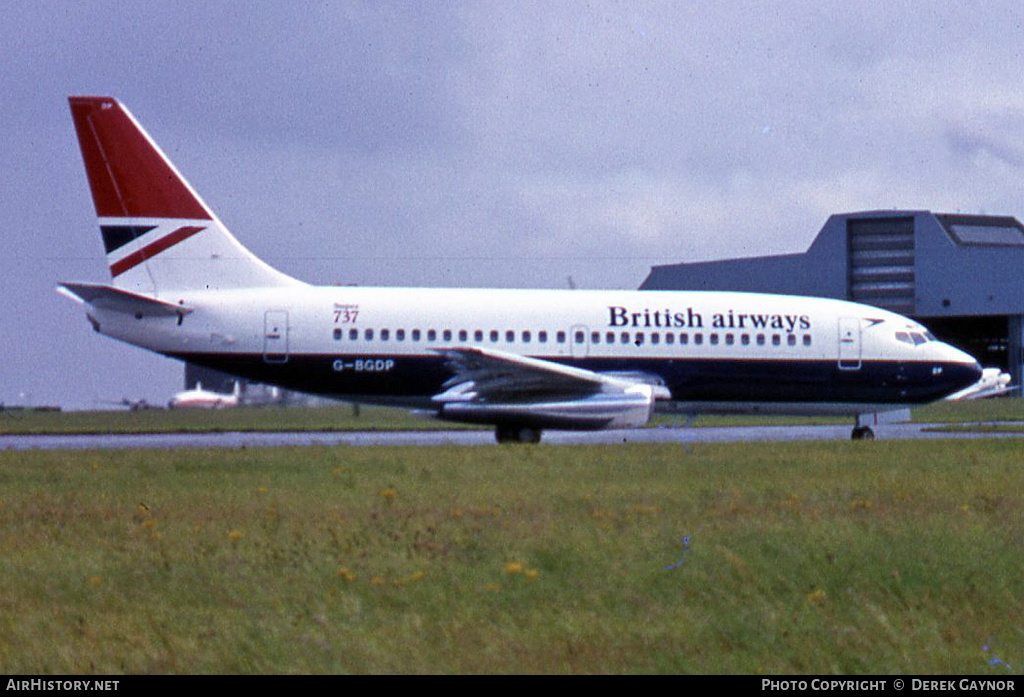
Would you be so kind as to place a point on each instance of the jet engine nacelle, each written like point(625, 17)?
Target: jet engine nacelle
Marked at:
point(630, 408)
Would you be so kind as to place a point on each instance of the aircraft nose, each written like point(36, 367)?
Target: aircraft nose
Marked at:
point(977, 371)
point(968, 370)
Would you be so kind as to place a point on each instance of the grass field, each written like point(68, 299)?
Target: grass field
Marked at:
point(881, 557)
point(340, 418)
point(344, 418)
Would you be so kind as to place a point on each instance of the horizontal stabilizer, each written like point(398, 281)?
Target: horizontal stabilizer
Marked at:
point(117, 300)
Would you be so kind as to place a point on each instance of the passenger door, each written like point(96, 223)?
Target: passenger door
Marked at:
point(849, 343)
point(275, 336)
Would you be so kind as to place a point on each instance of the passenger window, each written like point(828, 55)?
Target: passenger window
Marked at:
point(463, 335)
point(384, 334)
point(791, 340)
point(353, 334)
point(415, 334)
point(580, 337)
point(639, 339)
point(494, 336)
point(510, 336)
point(684, 339)
point(560, 337)
point(337, 335)
point(431, 335)
point(400, 334)
point(368, 335)
point(670, 339)
point(542, 337)
point(760, 339)
point(625, 338)
point(776, 340)
point(655, 338)
point(595, 337)
point(745, 339)
point(478, 336)
point(714, 339)
point(698, 339)
point(807, 339)
point(729, 339)
point(526, 337)
point(447, 334)
point(609, 338)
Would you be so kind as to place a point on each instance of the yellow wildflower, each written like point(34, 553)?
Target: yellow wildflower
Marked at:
point(817, 597)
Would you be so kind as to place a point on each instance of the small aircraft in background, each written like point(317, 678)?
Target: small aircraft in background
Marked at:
point(993, 383)
point(132, 404)
point(198, 398)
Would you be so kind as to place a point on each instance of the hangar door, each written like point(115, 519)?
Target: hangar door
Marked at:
point(881, 262)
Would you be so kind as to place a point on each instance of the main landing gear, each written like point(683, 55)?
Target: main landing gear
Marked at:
point(862, 433)
point(517, 434)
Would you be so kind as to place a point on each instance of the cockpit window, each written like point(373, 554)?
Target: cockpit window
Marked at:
point(914, 338)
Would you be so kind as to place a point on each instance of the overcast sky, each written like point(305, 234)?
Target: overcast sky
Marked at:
point(510, 144)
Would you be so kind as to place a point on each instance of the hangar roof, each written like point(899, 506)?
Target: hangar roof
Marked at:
point(915, 262)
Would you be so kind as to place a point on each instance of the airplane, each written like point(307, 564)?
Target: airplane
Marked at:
point(132, 404)
point(521, 361)
point(993, 383)
point(198, 398)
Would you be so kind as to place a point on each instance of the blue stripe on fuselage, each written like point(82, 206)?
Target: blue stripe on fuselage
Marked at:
point(700, 380)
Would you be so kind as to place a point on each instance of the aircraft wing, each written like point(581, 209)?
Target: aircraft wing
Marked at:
point(993, 383)
point(499, 376)
point(982, 393)
point(490, 385)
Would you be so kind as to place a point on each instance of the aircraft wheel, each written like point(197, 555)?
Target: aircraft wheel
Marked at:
point(504, 434)
point(512, 434)
point(862, 433)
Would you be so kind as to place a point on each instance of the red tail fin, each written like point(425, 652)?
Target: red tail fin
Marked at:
point(157, 232)
point(128, 174)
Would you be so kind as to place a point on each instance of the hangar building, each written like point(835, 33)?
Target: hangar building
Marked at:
point(962, 276)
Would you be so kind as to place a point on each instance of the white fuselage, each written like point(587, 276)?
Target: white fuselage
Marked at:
point(354, 342)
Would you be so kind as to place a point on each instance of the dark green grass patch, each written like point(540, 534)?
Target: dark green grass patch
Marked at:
point(899, 557)
point(244, 419)
point(345, 418)
point(366, 418)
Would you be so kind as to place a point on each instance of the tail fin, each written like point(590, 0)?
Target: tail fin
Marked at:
point(158, 233)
